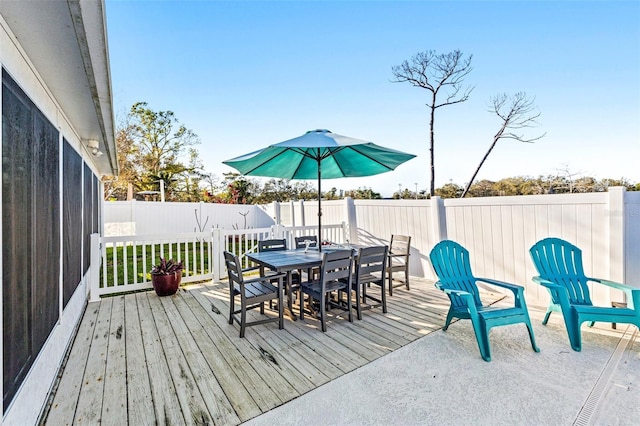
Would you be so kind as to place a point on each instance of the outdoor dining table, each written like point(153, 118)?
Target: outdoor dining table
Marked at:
point(291, 260)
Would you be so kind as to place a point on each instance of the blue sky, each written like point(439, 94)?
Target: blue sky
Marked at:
point(243, 75)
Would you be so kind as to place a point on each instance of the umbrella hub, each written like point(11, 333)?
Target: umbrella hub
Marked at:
point(319, 131)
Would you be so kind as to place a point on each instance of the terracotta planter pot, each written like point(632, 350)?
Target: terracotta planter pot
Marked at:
point(166, 285)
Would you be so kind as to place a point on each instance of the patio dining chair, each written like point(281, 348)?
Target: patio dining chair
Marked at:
point(559, 265)
point(399, 251)
point(300, 243)
point(370, 268)
point(335, 276)
point(452, 266)
point(253, 293)
point(272, 245)
point(279, 245)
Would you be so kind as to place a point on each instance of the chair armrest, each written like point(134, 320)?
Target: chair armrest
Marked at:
point(632, 293)
point(558, 293)
point(398, 254)
point(517, 290)
point(265, 277)
point(251, 268)
point(513, 287)
point(613, 284)
point(464, 295)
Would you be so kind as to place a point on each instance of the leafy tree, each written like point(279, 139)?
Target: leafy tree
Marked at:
point(516, 112)
point(449, 190)
point(363, 194)
point(153, 146)
point(238, 189)
point(440, 74)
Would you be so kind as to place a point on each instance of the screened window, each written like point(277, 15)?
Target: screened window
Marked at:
point(30, 232)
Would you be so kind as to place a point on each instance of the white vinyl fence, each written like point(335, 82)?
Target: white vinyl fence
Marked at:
point(497, 231)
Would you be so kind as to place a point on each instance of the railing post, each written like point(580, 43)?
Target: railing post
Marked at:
point(217, 252)
point(351, 231)
point(94, 272)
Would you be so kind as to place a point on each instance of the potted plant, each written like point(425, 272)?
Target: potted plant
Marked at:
point(166, 277)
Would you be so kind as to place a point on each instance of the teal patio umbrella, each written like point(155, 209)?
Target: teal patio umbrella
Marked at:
point(319, 154)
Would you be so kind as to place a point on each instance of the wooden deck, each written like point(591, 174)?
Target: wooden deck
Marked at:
point(140, 359)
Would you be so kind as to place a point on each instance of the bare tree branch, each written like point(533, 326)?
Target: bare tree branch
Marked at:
point(516, 112)
point(436, 73)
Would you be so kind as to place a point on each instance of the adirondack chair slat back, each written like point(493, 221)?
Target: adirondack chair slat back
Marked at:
point(451, 262)
point(559, 261)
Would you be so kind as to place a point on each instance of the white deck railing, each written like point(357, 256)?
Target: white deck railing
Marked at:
point(126, 261)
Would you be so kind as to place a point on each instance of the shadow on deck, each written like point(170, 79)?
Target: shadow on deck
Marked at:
point(141, 359)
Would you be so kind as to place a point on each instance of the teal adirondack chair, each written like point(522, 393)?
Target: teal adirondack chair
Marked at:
point(451, 263)
point(559, 264)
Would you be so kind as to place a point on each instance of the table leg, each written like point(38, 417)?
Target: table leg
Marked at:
point(290, 298)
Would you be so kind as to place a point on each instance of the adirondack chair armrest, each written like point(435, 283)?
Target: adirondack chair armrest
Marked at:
point(613, 284)
point(513, 287)
point(465, 295)
point(518, 291)
point(558, 292)
point(632, 293)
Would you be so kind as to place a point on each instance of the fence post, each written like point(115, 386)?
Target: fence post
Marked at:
point(292, 213)
point(616, 230)
point(277, 231)
point(94, 273)
point(217, 252)
point(351, 233)
point(302, 215)
point(277, 217)
point(438, 219)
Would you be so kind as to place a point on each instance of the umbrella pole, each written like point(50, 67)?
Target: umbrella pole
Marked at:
point(319, 205)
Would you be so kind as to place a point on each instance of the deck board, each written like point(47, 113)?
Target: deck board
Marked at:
point(64, 404)
point(90, 401)
point(139, 395)
point(141, 359)
point(165, 403)
point(114, 410)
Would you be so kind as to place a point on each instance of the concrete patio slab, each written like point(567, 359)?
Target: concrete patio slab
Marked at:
point(441, 379)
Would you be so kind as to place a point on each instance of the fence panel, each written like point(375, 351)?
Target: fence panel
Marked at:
point(377, 220)
point(147, 217)
point(498, 232)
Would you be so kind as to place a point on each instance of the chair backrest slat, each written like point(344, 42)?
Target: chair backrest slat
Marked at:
point(372, 260)
point(300, 241)
point(452, 266)
point(272, 245)
point(336, 265)
point(560, 261)
point(234, 268)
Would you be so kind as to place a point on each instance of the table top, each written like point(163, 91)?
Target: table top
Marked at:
point(287, 259)
point(281, 260)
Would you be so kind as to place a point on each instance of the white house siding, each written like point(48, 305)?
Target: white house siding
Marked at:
point(30, 399)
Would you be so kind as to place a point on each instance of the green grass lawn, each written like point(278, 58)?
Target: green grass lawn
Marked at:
point(152, 254)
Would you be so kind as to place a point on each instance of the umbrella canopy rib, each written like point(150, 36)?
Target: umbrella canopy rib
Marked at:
point(371, 158)
point(257, 166)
